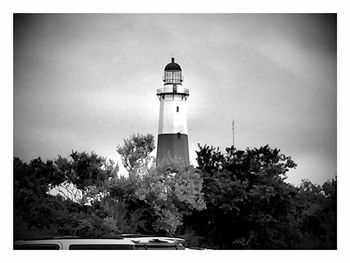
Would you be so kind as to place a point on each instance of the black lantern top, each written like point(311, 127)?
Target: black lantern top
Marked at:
point(172, 82)
point(172, 73)
point(172, 66)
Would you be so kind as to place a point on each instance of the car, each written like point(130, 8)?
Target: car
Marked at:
point(122, 242)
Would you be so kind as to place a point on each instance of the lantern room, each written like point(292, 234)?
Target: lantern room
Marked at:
point(172, 73)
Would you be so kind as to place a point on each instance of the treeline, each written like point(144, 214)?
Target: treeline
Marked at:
point(232, 200)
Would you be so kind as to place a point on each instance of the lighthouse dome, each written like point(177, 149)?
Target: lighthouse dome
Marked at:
point(172, 66)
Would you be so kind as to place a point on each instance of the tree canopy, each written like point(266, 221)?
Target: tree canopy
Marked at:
point(250, 206)
point(237, 199)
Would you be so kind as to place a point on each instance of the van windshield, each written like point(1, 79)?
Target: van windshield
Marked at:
point(37, 246)
point(99, 246)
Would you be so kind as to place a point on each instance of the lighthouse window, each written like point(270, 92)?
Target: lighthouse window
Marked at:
point(177, 108)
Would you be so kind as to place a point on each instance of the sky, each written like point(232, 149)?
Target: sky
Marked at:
point(86, 82)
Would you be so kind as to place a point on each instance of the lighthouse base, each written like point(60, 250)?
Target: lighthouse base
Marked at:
point(174, 145)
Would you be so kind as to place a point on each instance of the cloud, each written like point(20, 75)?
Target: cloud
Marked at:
point(88, 81)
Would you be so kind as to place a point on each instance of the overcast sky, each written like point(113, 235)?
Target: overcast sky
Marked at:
point(86, 82)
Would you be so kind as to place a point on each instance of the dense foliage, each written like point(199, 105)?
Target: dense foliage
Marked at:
point(232, 200)
point(94, 201)
point(250, 206)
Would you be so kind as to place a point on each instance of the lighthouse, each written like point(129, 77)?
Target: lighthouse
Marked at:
point(172, 129)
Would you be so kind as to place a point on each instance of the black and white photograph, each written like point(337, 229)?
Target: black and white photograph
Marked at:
point(175, 131)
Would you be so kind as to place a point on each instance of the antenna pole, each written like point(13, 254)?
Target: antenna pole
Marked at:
point(233, 133)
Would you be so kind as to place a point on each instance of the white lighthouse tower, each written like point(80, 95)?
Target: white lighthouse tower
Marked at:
point(172, 132)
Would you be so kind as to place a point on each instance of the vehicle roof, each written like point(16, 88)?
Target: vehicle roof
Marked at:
point(124, 240)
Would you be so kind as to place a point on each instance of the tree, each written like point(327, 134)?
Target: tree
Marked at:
point(317, 215)
point(172, 190)
point(246, 196)
point(38, 213)
point(84, 175)
point(232, 200)
point(155, 201)
point(250, 206)
point(153, 198)
point(136, 150)
point(32, 204)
